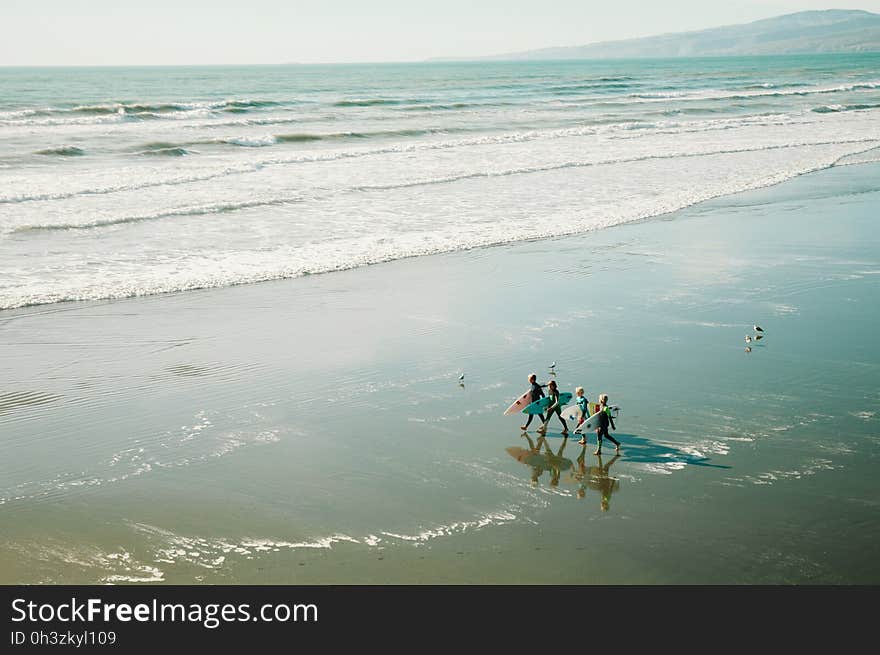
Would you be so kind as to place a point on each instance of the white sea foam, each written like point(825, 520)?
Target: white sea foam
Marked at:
point(213, 553)
point(188, 445)
point(101, 565)
point(718, 94)
point(252, 206)
point(807, 469)
point(205, 266)
point(252, 141)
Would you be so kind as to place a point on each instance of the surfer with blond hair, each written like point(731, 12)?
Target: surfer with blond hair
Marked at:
point(604, 420)
point(583, 405)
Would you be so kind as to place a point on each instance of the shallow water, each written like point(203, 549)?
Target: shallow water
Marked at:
point(314, 430)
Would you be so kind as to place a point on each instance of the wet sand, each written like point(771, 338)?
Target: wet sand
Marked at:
point(315, 431)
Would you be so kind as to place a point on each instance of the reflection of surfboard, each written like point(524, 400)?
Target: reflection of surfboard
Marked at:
point(529, 457)
point(593, 422)
point(519, 403)
point(539, 460)
point(541, 404)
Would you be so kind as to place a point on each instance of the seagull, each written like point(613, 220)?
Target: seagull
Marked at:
point(758, 337)
point(748, 349)
point(758, 328)
point(553, 365)
point(461, 378)
point(748, 339)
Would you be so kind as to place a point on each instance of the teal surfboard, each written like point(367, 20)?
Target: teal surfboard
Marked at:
point(541, 404)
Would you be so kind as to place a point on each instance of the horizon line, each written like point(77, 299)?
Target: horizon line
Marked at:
point(481, 59)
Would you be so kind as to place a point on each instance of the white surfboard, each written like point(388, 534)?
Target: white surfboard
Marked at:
point(520, 403)
point(572, 413)
point(593, 421)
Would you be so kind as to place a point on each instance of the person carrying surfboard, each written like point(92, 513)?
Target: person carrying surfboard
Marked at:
point(584, 406)
point(537, 393)
point(604, 420)
point(555, 407)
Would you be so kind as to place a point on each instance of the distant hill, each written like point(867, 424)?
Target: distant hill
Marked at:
point(806, 32)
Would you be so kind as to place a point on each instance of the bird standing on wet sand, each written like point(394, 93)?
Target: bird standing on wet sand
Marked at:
point(758, 328)
point(461, 378)
point(552, 366)
point(748, 339)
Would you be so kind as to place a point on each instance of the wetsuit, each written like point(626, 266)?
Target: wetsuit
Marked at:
point(583, 405)
point(602, 430)
point(537, 393)
point(556, 409)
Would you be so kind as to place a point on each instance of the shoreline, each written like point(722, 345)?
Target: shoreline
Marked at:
point(314, 431)
point(785, 178)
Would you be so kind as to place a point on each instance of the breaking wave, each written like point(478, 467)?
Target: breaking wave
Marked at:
point(63, 151)
point(829, 109)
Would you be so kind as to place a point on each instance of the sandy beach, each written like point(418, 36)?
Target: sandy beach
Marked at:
point(314, 430)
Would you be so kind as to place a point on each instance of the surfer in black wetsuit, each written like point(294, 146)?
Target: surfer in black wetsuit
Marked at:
point(555, 407)
point(537, 393)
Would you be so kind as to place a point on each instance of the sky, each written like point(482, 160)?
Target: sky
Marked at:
point(167, 32)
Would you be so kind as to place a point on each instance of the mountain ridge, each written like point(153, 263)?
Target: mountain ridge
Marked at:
point(805, 32)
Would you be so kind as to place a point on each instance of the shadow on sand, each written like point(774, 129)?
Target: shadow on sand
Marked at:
point(640, 449)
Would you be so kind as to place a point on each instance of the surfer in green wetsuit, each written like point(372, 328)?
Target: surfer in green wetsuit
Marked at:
point(604, 420)
point(554, 408)
point(537, 393)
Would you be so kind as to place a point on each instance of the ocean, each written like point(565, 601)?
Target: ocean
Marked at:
point(119, 182)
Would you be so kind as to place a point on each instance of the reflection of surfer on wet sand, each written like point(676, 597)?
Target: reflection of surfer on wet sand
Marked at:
point(540, 462)
point(595, 477)
point(531, 457)
point(557, 462)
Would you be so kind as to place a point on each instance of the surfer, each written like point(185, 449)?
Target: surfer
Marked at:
point(604, 420)
point(583, 405)
point(554, 408)
point(537, 393)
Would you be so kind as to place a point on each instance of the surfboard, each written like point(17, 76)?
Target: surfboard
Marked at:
point(572, 413)
point(541, 404)
point(519, 403)
point(593, 421)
